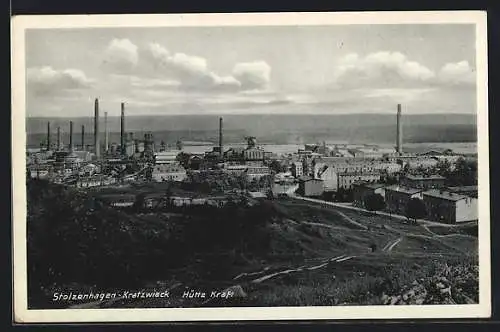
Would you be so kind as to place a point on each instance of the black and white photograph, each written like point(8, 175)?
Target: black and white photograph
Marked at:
point(250, 167)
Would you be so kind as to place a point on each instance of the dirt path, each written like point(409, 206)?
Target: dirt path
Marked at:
point(241, 275)
point(446, 235)
point(320, 225)
point(391, 245)
point(337, 259)
point(355, 223)
point(349, 206)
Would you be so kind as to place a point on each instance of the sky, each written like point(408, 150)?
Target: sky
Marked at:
point(262, 69)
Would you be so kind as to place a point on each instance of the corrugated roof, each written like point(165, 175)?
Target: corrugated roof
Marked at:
point(447, 195)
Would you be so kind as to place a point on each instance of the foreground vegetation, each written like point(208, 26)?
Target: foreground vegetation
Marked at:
point(76, 242)
point(387, 281)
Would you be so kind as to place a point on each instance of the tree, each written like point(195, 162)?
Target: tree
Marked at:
point(415, 209)
point(277, 167)
point(448, 152)
point(374, 202)
point(465, 173)
point(443, 167)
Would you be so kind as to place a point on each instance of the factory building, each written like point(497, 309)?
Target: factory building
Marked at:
point(95, 181)
point(166, 157)
point(450, 208)
point(423, 181)
point(371, 152)
point(234, 154)
point(251, 172)
point(345, 180)
point(328, 168)
point(329, 173)
point(256, 172)
point(422, 162)
point(253, 153)
point(362, 189)
point(169, 172)
point(397, 198)
point(470, 191)
point(310, 187)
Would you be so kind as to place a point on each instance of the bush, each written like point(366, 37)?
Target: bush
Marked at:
point(73, 238)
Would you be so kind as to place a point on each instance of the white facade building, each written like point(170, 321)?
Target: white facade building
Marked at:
point(166, 157)
point(169, 172)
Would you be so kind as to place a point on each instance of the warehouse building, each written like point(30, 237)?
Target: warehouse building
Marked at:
point(362, 189)
point(309, 186)
point(397, 198)
point(450, 208)
point(423, 181)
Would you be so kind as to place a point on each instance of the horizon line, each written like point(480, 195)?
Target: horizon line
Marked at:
point(237, 114)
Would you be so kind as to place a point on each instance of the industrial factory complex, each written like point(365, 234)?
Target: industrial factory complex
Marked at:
point(315, 170)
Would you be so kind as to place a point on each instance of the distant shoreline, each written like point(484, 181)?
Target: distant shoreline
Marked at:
point(117, 116)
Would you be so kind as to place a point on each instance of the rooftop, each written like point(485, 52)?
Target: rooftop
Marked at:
point(447, 195)
point(425, 177)
point(308, 178)
point(403, 189)
point(360, 173)
point(374, 185)
point(431, 153)
point(463, 188)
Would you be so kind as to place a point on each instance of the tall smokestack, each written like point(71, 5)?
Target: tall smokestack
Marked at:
point(48, 136)
point(83, 138)
point(97, 143)
point(122, 129)
point(399, 139)
point(71, 136)
point(58, 138)
point(221, 151)
point(106, 133)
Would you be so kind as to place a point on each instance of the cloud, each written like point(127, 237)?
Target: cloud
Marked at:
point(459, 73)
point(252, 75)
point(381, 69)
point(121, 55)
point(47, 81)
point(194, 74)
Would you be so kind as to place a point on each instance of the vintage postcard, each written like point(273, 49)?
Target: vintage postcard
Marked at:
point(236, 167)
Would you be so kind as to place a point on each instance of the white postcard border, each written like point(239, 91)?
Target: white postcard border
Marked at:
point(22, 314)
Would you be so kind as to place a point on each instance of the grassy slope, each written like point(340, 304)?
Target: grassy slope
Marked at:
point(276, 236)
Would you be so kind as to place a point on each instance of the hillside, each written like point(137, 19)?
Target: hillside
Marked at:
point(276, 128)
point(279, 252)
